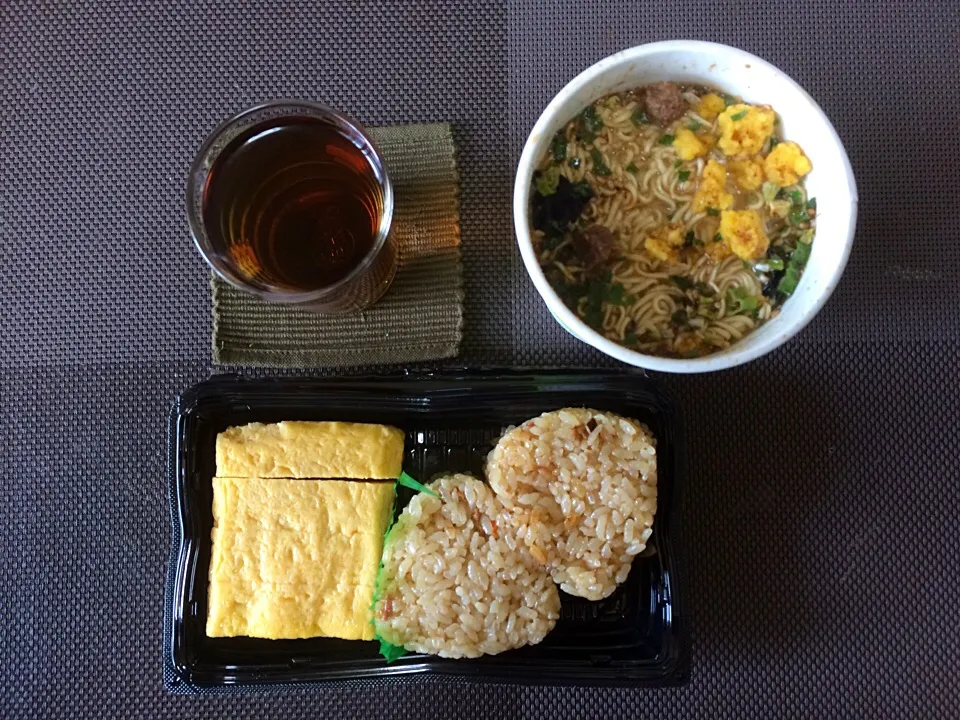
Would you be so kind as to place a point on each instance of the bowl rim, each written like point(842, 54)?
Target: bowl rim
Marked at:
point(730, 357)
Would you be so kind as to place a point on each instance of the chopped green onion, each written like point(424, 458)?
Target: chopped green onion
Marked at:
point(743, 300)
point(559, 148)
point(775, 263)
point(694, 126)
point(666, 139)
point(718, 238)
point(791, 277)
point(548, 181)
point(689, 238)
point(774, 141)
point(713, 212)
point(629, 299)
point(739, 116)
point(683, 175)
point(599, 166)
point(729, 100)
point(632, 168)
point(796, 196)
point(769, 191)
point(806, 237)
point(704, 289)
point(630, 338)
point(639, 117)
point(684, 283)
point(788, 283)
point(812, 204)
point(679, 317)
point(801, 255)
point(677, 164)
point(799, 217)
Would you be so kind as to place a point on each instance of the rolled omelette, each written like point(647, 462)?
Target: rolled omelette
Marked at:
point(294, 554)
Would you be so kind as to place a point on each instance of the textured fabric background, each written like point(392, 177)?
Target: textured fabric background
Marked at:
point(823, 560)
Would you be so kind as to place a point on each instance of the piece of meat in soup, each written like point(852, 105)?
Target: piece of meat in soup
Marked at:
point(664, 102)
point(594, 246)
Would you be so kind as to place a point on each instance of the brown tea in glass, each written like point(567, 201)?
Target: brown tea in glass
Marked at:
point(291, 202)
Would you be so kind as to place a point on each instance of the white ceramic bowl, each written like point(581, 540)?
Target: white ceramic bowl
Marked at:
point(738, 73)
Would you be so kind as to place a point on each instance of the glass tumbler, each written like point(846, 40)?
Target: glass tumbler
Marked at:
point(290, 201)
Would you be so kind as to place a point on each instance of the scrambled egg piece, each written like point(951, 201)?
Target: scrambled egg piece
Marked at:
point(712, 190)
point(745, 128)
point(786, 164)
point(686, 343)
point(664, 242)
point(710, 106)
point(748, 174)
point(717, 250)
point(688, 145)
point(742, 231)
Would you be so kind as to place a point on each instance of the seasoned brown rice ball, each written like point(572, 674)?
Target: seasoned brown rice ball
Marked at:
point(455, 582)
point(581, 487)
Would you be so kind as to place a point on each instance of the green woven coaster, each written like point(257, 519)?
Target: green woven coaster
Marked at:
point(421, 315)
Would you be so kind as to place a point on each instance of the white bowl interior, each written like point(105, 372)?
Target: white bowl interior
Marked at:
point(737, 73)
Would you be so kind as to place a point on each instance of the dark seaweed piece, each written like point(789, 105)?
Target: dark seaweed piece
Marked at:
point(570, 293)
point(554, 214)
point(616, 294)
point(582, 189)
point(770, 286)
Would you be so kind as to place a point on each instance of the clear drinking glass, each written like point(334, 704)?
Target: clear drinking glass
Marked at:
point(290, 201)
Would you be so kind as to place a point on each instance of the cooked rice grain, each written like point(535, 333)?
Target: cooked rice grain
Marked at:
point(581, 488)
point(455, 582)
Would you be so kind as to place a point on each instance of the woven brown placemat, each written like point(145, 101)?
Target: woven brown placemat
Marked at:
point(421, 316)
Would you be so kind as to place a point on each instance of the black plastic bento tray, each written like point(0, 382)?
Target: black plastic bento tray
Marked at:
point(635, 637)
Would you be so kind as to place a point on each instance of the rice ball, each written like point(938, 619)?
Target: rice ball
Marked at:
point(581, 488)
point(454, 580)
